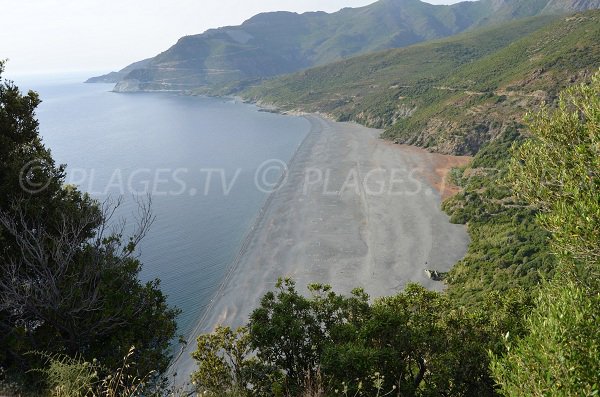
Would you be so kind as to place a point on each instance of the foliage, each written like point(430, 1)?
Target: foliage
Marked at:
point(8, 386)
point(68, 377)
point(416, 343)
point(557, 172)
point(227, 367)
point(289, 331)
point(560, 354)
point(68, 280)
point(376, 380)
point(74, 377)
point(508, 249)
point(215, 372)
point(422, 345)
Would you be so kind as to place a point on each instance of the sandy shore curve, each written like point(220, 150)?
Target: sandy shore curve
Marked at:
point(353, 211)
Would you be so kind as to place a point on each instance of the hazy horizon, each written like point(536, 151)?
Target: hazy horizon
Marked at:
point(68, 36)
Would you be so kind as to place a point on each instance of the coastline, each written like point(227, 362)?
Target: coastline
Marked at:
point(241, 251)
point(344, 238)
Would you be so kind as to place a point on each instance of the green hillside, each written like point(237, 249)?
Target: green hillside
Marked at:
point(508, 249)
point(452, 95)
point(276, 43)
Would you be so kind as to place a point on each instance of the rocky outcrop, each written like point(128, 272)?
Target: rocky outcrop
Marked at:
point(128, 86)
point(555, 6)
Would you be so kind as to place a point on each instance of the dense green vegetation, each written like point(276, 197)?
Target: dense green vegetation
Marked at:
point(453, 95)
point(557, 171)
point(508, 248)
point(68, 286)
point(283, 42)
point(417, 343)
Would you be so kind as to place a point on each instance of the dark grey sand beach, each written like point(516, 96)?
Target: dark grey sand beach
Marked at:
point(354, 211)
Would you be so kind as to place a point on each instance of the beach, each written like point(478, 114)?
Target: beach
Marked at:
point(352, 211)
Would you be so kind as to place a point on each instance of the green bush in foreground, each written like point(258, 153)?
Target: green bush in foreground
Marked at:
point(558, 171)
point(415, 343)
point(561, 354)
point(227, 367)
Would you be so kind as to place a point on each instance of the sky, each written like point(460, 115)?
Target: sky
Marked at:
point(60, 36)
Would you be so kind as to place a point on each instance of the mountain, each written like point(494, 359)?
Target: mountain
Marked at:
point(451, 95)
point(276, 43)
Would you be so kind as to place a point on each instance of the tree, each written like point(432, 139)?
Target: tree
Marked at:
point(286, 333)
point(68, 280)
point(557, 170)
point(422, 345)
point(415, 343)
point(282, 344)
point(560, 355)
point(227, 365)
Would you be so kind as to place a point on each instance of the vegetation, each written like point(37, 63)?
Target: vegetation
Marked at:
point(508, 248)
point(73, 377)
point(68, 280)
point(559, 355)
point(557, 172)
point(452, 95)
point(417, 343)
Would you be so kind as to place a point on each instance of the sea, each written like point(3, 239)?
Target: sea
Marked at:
point(207, 165)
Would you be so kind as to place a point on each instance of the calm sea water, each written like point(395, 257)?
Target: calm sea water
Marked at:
point(200, 159)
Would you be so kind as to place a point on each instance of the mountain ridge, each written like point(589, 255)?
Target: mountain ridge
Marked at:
point(276, 43)
point(452, 95)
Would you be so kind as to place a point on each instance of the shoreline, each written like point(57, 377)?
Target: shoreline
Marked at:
point(347, 239)
point(243, 247)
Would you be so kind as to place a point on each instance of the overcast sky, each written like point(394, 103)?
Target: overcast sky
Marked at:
point(40, 36)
